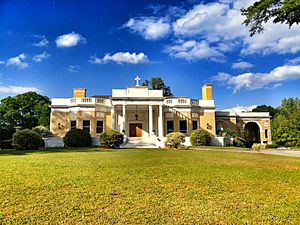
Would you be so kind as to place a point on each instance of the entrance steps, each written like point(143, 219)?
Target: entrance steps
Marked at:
point(137, 142)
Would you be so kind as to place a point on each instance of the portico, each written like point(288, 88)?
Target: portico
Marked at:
point(137, 111)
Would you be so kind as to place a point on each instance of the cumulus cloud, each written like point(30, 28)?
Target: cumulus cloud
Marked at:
point(41, 43)
point(240, 108)
point(242, 65)
point(69, 40)
point(41, 57)
point(193, 50)
point(121, 58)
point(253, 81)
point(18, 61)
point(148, 27)
point(219, 25)
point(17, 89)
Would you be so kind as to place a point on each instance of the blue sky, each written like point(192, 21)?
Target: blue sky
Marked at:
point(53, 46)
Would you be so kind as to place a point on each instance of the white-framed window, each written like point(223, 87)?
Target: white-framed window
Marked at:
point(99, 127)
point(170, 126)
point(195, 124)
point(183, 126)
point(86, 124)
point(73, 124)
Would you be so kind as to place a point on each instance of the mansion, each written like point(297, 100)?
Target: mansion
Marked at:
point(146, 115)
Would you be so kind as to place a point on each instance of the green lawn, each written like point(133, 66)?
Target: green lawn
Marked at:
point(148, 186)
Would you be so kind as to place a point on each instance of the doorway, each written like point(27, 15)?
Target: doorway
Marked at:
point(135, 130)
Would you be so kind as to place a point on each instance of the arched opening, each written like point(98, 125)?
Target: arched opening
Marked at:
point(252, 133)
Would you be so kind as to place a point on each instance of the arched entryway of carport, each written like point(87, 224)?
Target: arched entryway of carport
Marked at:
point(252, 131)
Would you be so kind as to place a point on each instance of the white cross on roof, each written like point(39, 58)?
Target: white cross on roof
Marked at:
point(137, 79)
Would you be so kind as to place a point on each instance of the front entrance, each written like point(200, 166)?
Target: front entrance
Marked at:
point(135, 130)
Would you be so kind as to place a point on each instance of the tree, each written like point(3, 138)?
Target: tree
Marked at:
point(156, 83)
point(266, 108)
point(281, 11)
point(26, 110)
point(286, 124)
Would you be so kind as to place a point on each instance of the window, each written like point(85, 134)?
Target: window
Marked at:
point(266, 133)
point(195, 124)
point(183, 126)
point(170, 126)
point(73, 124)
point(86, 125)
point(99, 128)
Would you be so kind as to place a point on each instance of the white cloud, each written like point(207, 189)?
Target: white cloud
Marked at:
point(277, 38)
point(16, 89)
point(219, 25)
point(150, 28)
point(41, 57)
point(2, 62)
point(121, 57)
point(242, 65)
point(294, 61)
point(41, 43)
point(240, 108)
point(253, 81)
point(69, 40)
point(193, 50)
point(18, 61)
point(73, 69)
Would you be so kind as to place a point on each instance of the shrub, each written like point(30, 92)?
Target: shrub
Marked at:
point(272, 146)
point(43, 131)
point(6, 134)
point(200, 137)
point(26, 139)
point(175, 139)
point(257, 146)
point(111, 139)
point(77, 138)
point(238, 143)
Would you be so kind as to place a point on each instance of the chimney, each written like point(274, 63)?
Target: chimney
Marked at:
point(207, 92)
point(79, 92)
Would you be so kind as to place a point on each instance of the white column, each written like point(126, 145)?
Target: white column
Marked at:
point(160, 122)
point(124, 118)
point(113, 118)
point(150, 120)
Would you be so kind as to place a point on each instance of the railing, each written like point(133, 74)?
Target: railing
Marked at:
point(79, 101)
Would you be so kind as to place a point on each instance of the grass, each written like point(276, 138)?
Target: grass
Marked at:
point(94, 186)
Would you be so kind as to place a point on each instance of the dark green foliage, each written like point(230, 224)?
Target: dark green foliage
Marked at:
point(286, 125)
point(227, 133)
point(175, 139)
point(272, 146)
point(156, 83)
point(26, 110)
point(77, 138)
point(200, 137)
point(266, 108)
point(238, 143)
point(26, 140)
point(111, 139)
point(281, 11)
point(43, 131)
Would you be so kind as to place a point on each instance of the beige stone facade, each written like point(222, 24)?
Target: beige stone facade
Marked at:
point(140, 112)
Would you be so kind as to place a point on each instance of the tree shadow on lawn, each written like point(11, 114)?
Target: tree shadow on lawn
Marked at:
point(55, 150)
